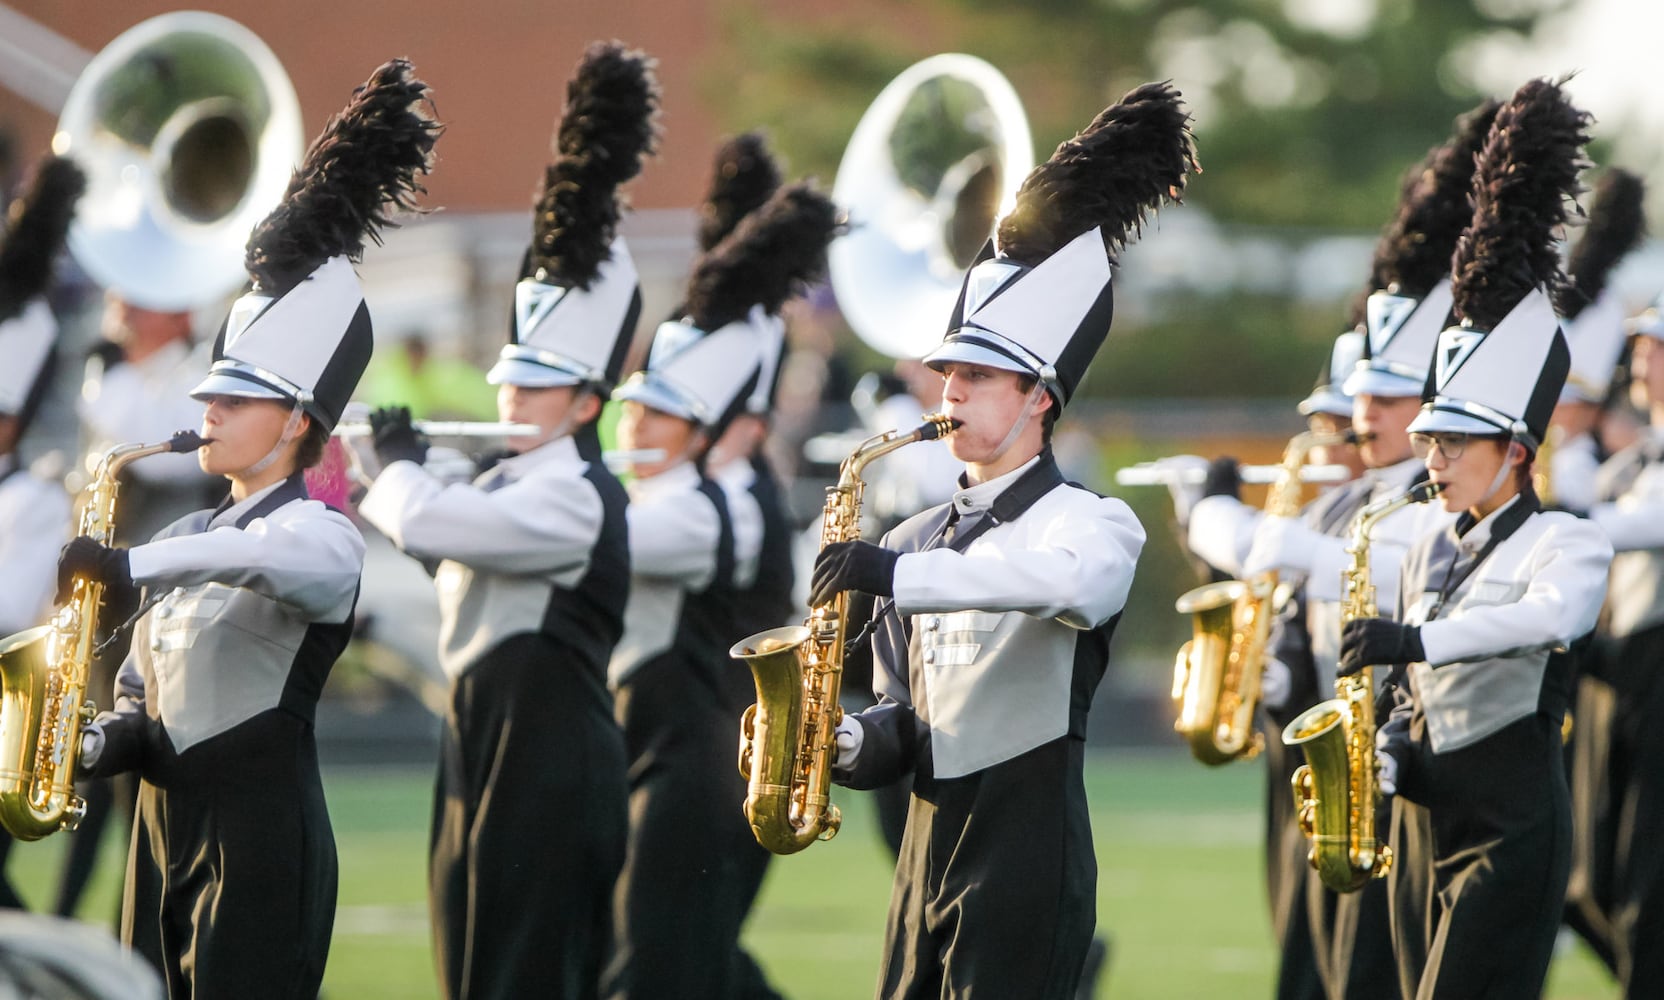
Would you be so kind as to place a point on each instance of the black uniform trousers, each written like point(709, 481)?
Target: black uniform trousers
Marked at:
point(1588, 771)
point(233, 865)
point(528, 826)
point(1495, 860)
point(691, 868)
point(1637, 796)
point(996, 889)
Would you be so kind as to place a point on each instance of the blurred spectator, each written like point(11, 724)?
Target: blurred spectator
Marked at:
point(433, 387)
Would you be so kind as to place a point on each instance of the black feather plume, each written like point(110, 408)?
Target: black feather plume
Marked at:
point(1136, 154)
point(1414, 251)
point(37, 225)
point(1522, 191)
point(609, 125)
point(769, 256)
point(743, 176)
point(361, 169)
point(1617, 221)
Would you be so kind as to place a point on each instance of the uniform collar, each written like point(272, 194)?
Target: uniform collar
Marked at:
point(560, 451)
point(970, 500)
point(679, 478)
point(233, 515)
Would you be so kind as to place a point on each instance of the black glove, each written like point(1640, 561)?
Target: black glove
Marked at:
point(855, 565)
point(1223, 479)
point(1378, 642)
point(395, 438)
point(85, 557)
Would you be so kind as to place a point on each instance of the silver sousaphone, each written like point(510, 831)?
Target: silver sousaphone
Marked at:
point(934, 161)
point(188, 130)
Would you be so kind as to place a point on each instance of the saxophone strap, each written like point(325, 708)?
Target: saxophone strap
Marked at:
point(1015, 500)
point(1507, 522)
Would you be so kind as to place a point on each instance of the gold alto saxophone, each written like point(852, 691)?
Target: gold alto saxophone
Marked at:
point(787, 739)
point(1216, 677)
point(43, 675)
point(1338, 789)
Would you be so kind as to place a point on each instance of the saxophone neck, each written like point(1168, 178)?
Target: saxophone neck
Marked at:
point(1283, 499)
point(850, 472)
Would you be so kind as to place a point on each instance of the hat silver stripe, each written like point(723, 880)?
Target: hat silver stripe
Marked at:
point(272, 380)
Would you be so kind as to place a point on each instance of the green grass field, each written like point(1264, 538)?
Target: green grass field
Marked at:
point(1180, 891)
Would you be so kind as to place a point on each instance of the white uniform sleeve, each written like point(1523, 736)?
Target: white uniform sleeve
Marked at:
point(1078, 571)
point(538, 524)
point(37, 525)
point(1572, 472)
point(674, 536)
point(1561, 602)
point(1636, 519)
point(1222, 531)
point(303, 554)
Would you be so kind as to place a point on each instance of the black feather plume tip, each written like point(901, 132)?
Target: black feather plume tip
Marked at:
point(1522, 193)
point(770, 255)
point(356, 174)
point(37, 226)
point(743, 176)
point(1135, 155)
point(609, 125)
point(1617, 221)
point(1413, 254)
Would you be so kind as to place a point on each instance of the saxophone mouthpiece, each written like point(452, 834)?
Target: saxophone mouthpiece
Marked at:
point(184, 441)
point(936, 426)
point(1423, 492)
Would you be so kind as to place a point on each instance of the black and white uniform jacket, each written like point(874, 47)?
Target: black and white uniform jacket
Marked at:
point(535, 544)
point(1488, 629)
point(1630, 509)
point(995, 650)
point(683, 543)
point(763, 531)
point(252, 604)
point(34, 524)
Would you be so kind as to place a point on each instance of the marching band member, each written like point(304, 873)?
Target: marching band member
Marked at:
point(532, 572)
point(1594, 326)
point(1629, 507)
point(995, 611)
point(745, 176)
point(249, 604)
point(683, 893)
point(1487, 602)
point(1350, 941)
point(34, 513)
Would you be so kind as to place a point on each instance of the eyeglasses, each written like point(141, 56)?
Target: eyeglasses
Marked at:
point(1450, 445)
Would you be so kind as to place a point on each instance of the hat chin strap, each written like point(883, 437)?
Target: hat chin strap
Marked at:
point(1020, 423)
point(289, 428)
point(1502, 473)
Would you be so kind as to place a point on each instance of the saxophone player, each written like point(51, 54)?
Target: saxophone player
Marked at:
point(1488, 605)
point(34, 513)
point(249, 604)
point(1349, 935)
point(994, 611)
point(684, 890)
point(532, 569)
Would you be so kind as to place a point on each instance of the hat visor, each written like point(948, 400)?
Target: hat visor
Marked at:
point(964, 352)
point(229, 384)
point(530, 374)
point(654, 394)
point(1441, 421)
point(1375, 382)
point(1326, 400)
